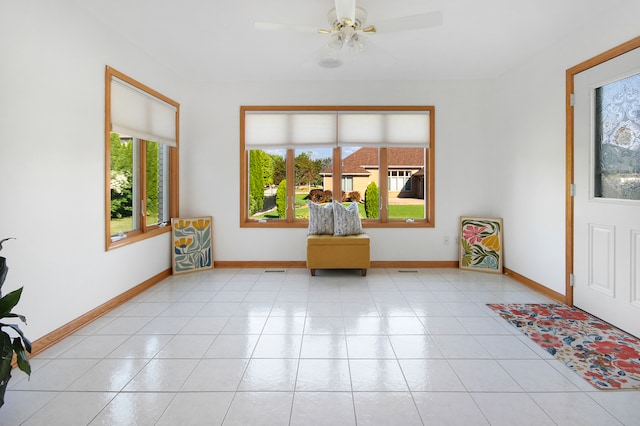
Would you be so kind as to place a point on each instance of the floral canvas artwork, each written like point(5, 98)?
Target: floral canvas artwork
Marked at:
point(481, 244)
point(191, 244)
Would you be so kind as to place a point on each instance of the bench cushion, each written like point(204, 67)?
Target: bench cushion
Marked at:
point(331, 252)
point(321, 240)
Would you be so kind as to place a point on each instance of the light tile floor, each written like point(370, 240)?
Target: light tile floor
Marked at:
point(256, 347)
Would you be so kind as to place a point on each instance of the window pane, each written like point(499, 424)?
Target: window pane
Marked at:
point(267, 184)
point(399, 181)
point(157, 202)
point(405, 180)
point(324, 194)
point(309, 165)
point(360, 168)
point(124, 187)
point(617, 165)
point(347, 184)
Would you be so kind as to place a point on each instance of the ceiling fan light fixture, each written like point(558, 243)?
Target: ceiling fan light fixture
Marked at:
point(358, 43)
point(336, 41)
point(347, 32)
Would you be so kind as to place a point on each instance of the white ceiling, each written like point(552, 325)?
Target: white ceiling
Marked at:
point(204, 40)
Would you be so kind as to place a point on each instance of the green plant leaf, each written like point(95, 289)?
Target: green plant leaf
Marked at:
point(27, 342)
point(6, 350)
point(6, 355)
point(8, 301)
point(12, 315)
point(21, 356)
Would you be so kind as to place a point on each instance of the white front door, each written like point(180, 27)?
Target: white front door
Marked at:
point(607, 191)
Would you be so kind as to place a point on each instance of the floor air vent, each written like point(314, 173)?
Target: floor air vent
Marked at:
point(277, 271)
point(407, 271)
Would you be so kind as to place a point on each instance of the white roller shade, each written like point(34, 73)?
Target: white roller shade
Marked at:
point(393, 128)
point(289, 129)
point(137, 113)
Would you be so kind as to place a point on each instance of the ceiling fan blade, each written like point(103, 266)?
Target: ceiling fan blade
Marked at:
point(412, 22)
point(346, 11)
point(272, 26)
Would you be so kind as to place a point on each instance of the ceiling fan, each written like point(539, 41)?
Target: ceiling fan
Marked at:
point(348, 26)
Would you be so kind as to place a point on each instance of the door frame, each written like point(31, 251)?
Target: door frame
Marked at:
point(570, 74)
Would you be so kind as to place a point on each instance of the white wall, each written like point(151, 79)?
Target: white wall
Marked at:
point(508, 135)
point(52, 162)
point(210, 162)
point(530, 127)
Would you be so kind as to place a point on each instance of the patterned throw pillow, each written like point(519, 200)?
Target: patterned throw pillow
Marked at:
point(346, 219)
point(320, 219)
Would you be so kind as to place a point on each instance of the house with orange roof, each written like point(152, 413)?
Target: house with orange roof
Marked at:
point(405, 172)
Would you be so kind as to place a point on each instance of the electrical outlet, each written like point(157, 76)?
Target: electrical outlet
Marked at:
point(445, 240)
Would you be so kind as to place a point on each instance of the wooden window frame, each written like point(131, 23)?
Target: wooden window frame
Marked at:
point(144, 231)
point(383, 221)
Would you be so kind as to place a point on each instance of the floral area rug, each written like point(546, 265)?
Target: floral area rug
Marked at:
point(603, 355)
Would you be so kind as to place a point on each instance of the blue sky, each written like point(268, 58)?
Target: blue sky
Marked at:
point(317, 153)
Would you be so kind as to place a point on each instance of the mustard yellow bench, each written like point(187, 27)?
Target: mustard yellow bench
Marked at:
point(338, 252)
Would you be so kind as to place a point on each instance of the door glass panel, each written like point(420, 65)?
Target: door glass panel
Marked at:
point(617, 165)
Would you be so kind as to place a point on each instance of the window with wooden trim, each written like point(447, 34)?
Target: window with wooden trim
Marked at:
point(290, 155)
point(141, 147)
